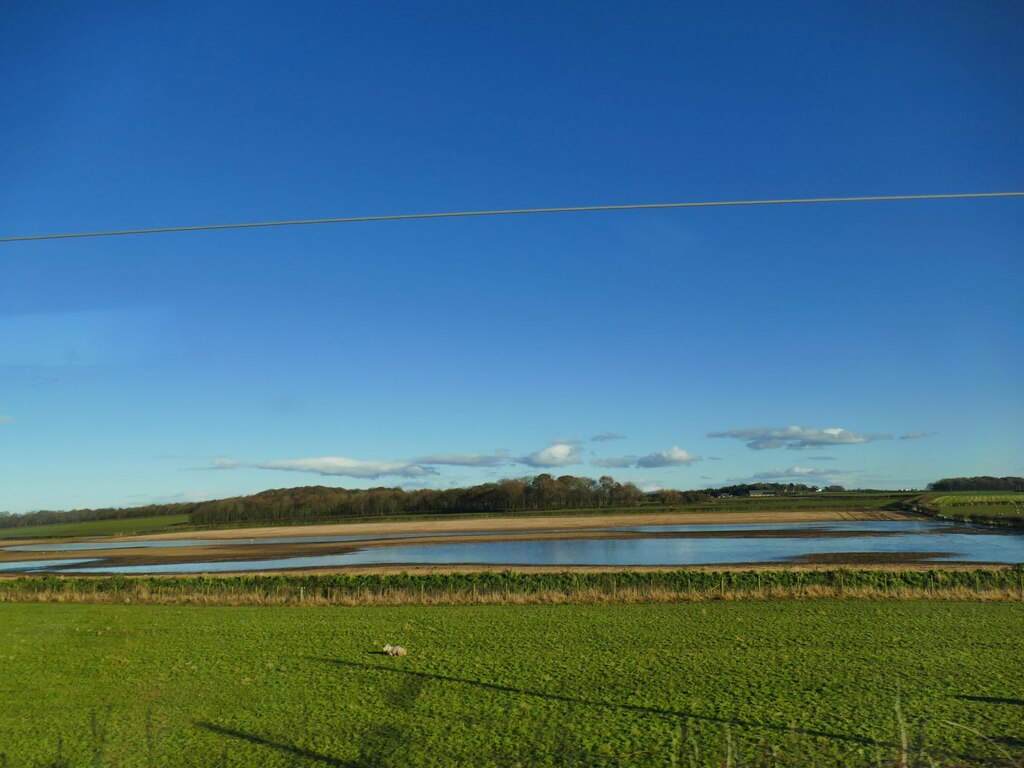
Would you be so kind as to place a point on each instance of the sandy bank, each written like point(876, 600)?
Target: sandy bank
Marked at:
point(564, 522)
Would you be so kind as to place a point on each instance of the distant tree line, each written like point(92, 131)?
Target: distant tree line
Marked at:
point(781, 489)
point(543, 492)
point(668, 496)
point(47, 517)
point(979, 483)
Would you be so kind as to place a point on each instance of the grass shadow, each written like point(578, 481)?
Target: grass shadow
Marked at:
point(606, 704)
point(288, 749)
point(664, 712)
point(992, 700)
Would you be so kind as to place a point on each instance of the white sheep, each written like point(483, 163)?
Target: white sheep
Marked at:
point(394, 650)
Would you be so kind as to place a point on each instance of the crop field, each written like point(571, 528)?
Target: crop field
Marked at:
point(813, 501)
point(126, 527)
point(772, 683)
point(852, 501)
point(1007, 507)
point(165, 523)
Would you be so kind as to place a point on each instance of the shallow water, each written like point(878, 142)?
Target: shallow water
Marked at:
point(930, 540)
point(818, 527)
point(82, 546)
point(44, 565)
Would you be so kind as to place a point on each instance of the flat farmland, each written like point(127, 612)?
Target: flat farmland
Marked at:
point(780, 683)
point(997, 507)
point(834, 505)
point(131, 526)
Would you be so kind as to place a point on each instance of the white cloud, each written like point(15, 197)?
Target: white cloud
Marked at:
point(605, 437)
point(797, 438)
point(556, 455)
point(341, 466)
point(673, 457)
point(334, 466)
point(798, 472)
point(344, 466)
point(465, 459)
point(559, 454)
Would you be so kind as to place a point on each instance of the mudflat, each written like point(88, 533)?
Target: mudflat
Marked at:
point(259, 545)
point(529, 523)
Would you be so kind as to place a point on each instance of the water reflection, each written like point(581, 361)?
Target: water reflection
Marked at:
point(82, 546)
point(859, 526)
point(44, 565)
point(935, 547)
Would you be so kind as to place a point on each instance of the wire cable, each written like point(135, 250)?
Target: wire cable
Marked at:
point(509, 212)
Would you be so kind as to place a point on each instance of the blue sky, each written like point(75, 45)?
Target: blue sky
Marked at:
point(868, 344)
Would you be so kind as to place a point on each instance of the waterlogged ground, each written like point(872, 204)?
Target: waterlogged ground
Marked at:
point(753, 683)
point(890, 540)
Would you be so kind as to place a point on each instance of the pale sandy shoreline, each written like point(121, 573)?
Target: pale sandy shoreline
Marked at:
point(511, 523)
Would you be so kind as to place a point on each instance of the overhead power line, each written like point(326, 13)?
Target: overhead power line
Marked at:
point(509, 212)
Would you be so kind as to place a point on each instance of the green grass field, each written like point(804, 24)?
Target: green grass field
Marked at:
point(161, 523)
point(126, 527)
point(722, 683)
point(848, 501)
point(975, 505)
point(812, 501)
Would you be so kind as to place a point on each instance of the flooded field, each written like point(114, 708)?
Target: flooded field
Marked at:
point(839, 542)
